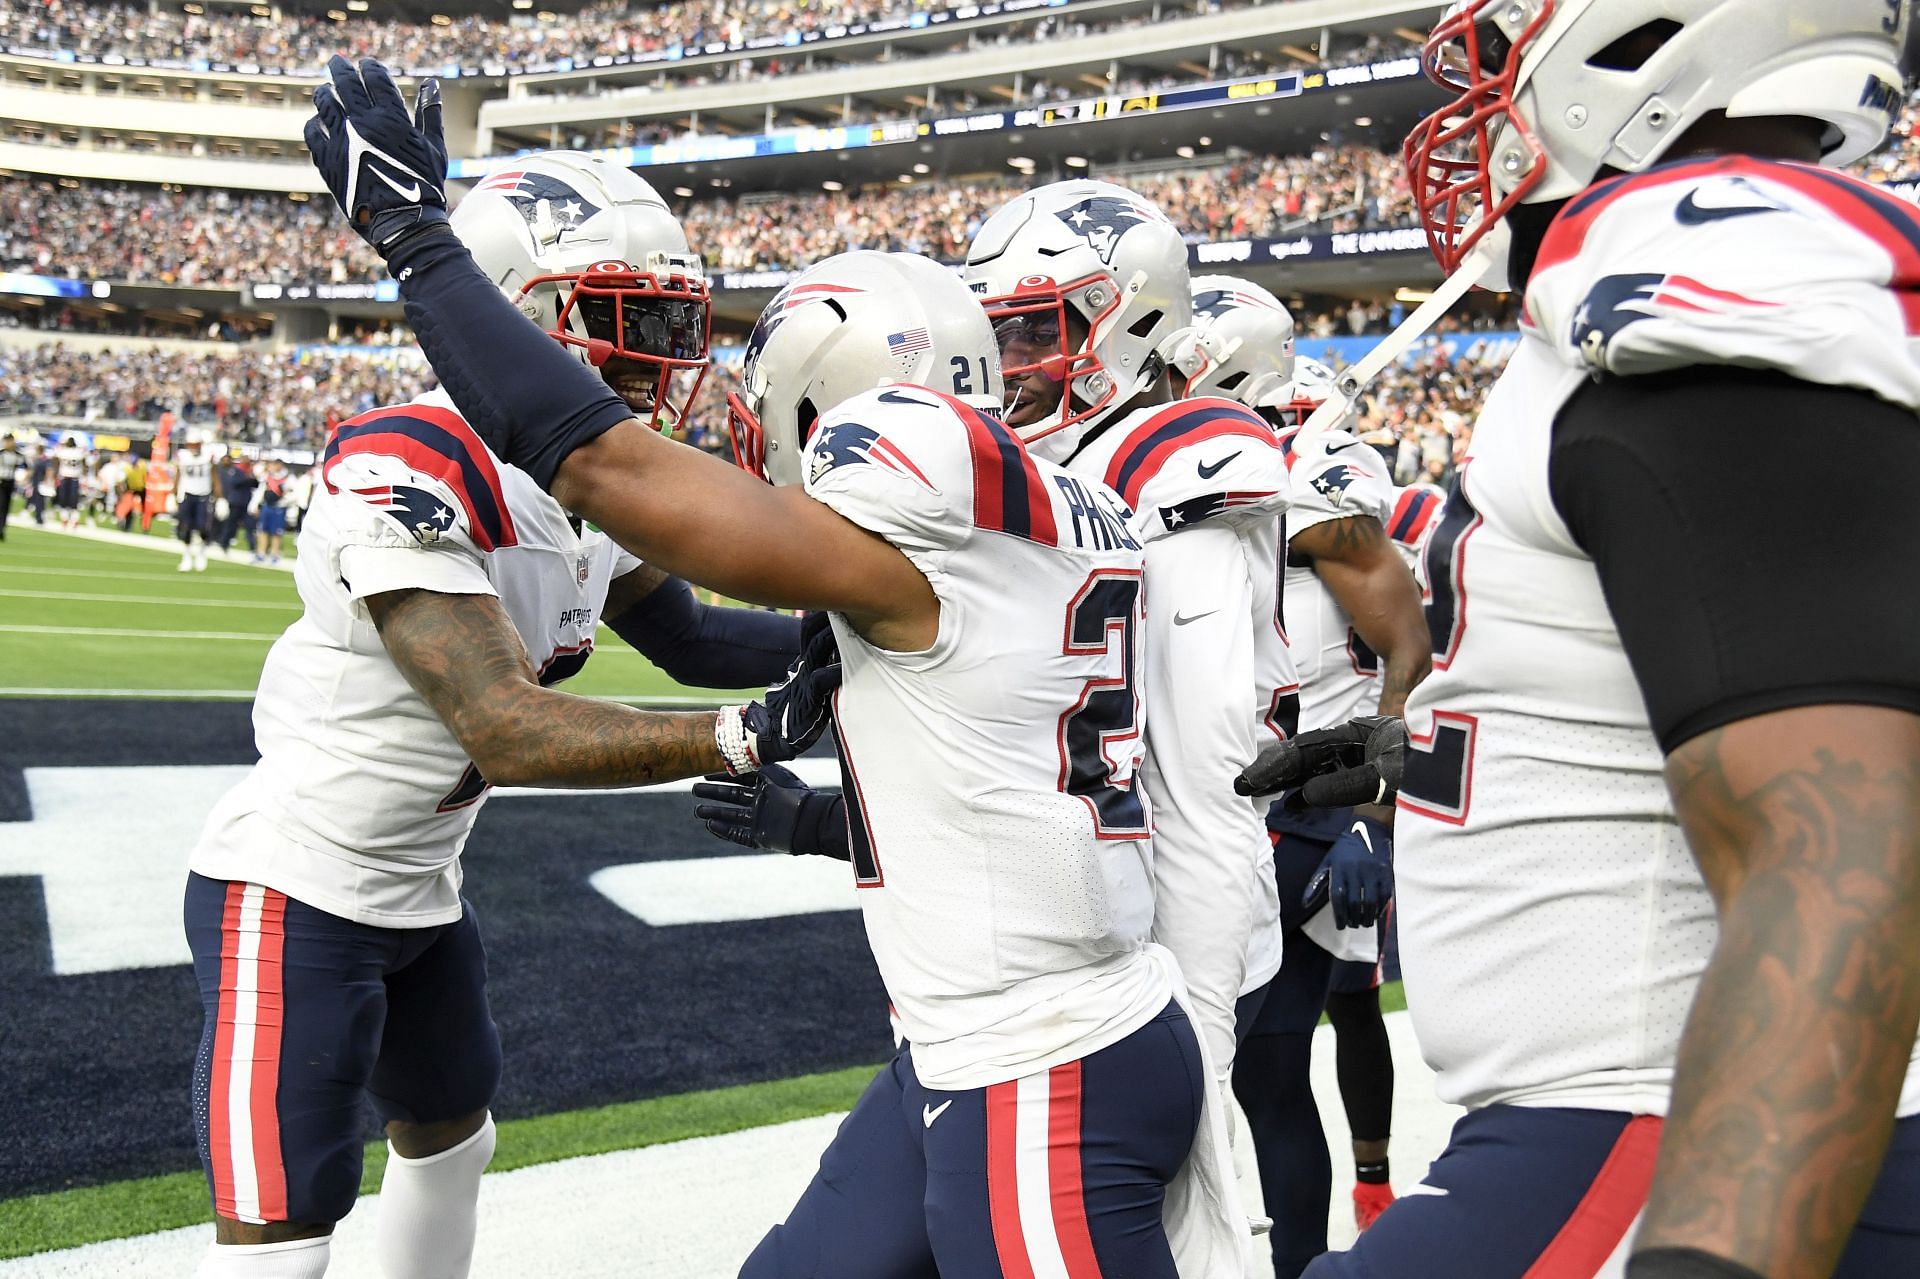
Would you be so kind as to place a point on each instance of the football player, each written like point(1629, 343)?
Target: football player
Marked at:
point(988, 609)
point(198, 499)
point(70, 466)
point(1086, 283)
point(1359, 643)
point(1659, 842)
point(445, 596)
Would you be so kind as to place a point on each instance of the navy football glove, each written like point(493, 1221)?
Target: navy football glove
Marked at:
point(775, 811)
point(387, 168)
point(1356, 877)
point(794, 713)
point(1358, 762)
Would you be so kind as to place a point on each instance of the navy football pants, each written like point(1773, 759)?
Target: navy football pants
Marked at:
point(308, 1016)
point(1063, 1172)
point(1528, 1193)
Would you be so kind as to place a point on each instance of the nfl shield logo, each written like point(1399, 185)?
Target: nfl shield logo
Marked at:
point(580, 569)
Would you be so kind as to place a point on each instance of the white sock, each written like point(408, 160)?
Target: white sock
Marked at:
point(428, 1210)
point(296, 1259)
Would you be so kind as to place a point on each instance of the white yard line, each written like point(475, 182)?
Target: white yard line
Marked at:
point(148, 542)
point(121, 632)
point(176, 576)
point(80, 597)
point(695, 1209)
point(228, 694)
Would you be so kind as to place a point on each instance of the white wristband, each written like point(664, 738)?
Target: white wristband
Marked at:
point(730, 735)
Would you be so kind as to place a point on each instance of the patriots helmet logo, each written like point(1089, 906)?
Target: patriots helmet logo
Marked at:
point(1101, 220)
point(425, 515)
point(1334, 482)
point(527, 191)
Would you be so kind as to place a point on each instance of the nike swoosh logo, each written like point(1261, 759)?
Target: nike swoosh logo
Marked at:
point(1208, 472)
point(1437, 1192)
point(894, 397)
point(1360, 829)
point(1182, 621)
point(1340, 448)
point(409, 192)
point(930, 1113)
point(1692, 213)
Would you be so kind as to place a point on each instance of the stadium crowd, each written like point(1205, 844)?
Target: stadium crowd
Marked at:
point(610, 28)
point(194, 236)
point(291, 399)
point(284, 399)
point(145, 234)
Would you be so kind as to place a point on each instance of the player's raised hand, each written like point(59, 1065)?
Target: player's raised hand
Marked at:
point(386, 166)
point(1358, 762)
point(775, 811)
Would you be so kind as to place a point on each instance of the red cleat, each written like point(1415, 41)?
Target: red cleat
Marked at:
point(1370, 1199)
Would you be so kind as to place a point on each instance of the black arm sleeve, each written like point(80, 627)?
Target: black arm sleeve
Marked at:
point(1754, 536)
point(708, 645)
point(531, 401)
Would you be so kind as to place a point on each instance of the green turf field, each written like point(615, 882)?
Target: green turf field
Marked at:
point(100, 619)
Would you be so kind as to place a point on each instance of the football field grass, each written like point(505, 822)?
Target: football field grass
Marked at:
point(86, 618)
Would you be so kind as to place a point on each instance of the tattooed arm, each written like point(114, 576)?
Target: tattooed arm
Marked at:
point(461, 653)
point(1357, 563)
point(1806, 825)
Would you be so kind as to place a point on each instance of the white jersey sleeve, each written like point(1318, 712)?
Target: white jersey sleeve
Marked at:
point(421, 503)
point(896, 463)
point(1737, 261)
point(1334, 476)
point(1198, 461)
point(1207, 841)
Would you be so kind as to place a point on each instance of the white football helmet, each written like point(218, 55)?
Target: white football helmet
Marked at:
point(591, 254)
point(1107, 256)
point(1240, 345)
point(1550, 92)
point(845, 326)
point(1312, 386)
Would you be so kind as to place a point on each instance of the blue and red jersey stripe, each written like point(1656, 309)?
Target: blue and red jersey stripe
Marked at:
point(1008, 494)
point(1411, 515)
point(1147, 448)
point(438, 443)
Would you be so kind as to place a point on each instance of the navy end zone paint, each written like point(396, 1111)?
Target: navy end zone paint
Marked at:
point(593, 1005)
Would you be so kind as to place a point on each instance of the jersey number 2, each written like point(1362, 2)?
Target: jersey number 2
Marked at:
point(1439, 776)
point(1102, 614)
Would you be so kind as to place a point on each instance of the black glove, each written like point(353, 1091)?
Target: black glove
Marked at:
point(1356, 877)
point(796, 711)
point(387, 168)
point(1358, 762)
point(774, 810)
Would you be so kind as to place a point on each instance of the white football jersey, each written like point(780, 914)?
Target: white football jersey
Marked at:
point(193, 474)
point(71, 460)
point(1552, 922)
point(363, 799)
point(1335, 477)
point(1207, 481)
point(998, 836)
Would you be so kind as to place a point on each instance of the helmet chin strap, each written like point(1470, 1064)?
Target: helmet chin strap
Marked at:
point(1350, 385)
